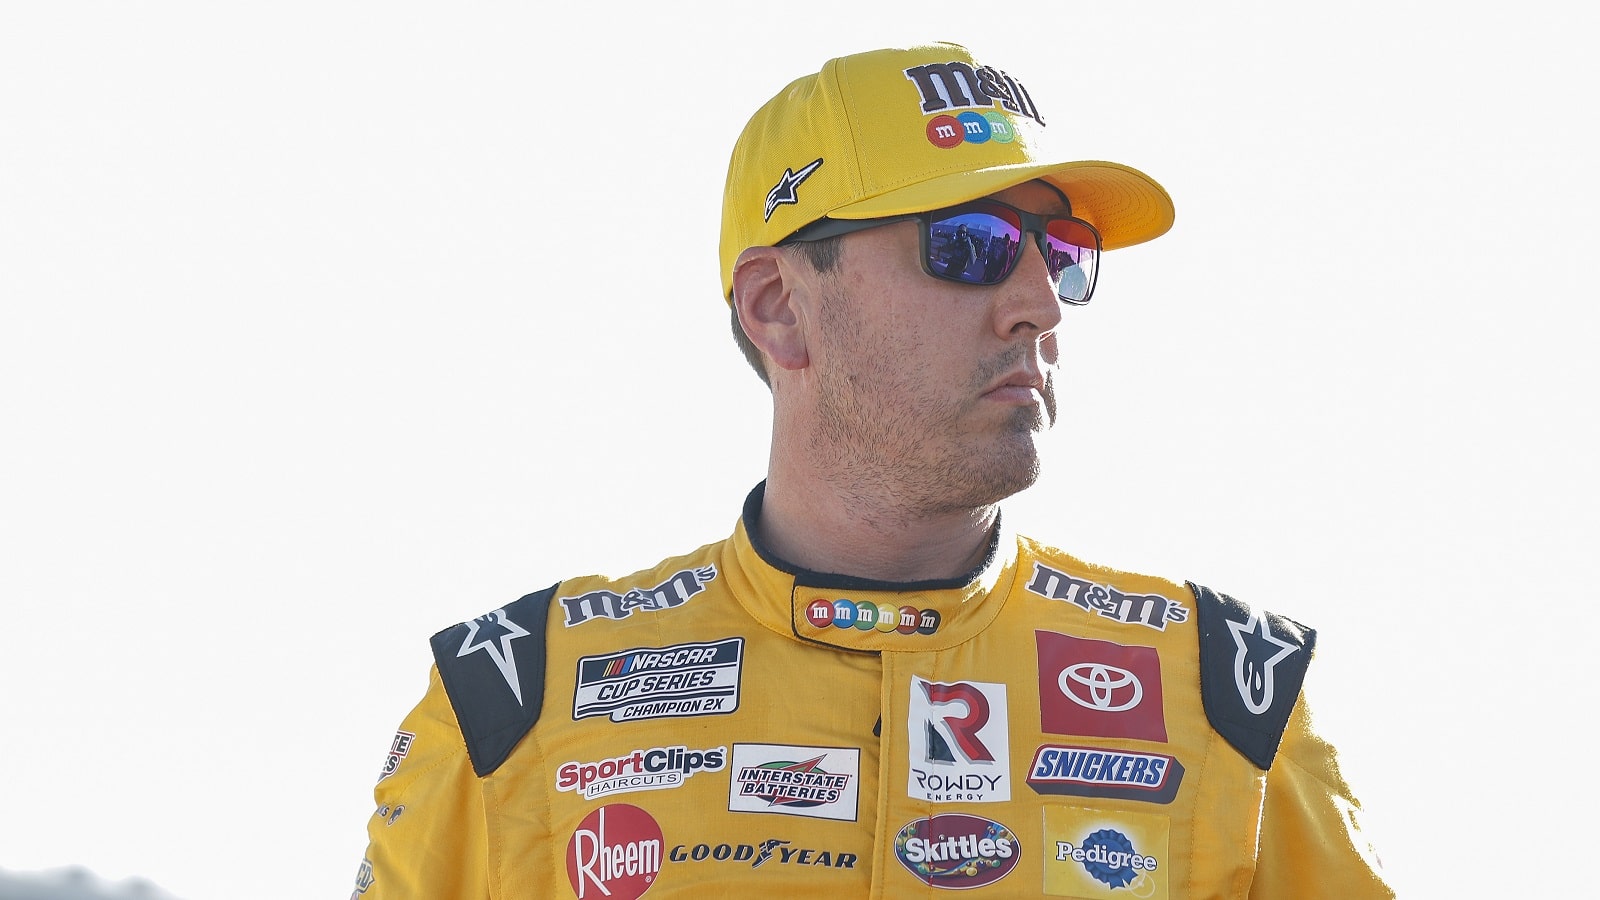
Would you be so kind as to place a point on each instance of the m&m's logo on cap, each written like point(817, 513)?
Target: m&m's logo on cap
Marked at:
point(970, 128)
point(974, 103)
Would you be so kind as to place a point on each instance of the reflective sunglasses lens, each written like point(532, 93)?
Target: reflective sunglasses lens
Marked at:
point(973, 245)
point(1072, 257)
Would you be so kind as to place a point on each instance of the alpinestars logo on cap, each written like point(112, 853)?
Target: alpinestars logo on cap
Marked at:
point(783, 191)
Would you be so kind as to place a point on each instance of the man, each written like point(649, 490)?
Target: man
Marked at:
point(961, 252)
point(871, 688)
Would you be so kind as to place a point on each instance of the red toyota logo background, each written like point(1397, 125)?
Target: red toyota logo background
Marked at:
point(1099, 688)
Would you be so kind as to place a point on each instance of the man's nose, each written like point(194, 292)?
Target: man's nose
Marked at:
point(1028, 297)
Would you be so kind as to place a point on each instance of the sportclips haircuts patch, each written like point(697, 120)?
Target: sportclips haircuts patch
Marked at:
point(642, 770)
point(700, 679)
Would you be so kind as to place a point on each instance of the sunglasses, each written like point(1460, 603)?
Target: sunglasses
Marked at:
point(980, 243)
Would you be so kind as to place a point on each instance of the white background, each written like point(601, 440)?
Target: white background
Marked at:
point(327, 325)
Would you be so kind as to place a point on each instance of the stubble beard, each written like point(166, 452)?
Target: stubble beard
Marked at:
point(895, 451)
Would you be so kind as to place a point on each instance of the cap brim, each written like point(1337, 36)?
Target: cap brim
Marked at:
point(1127, 206)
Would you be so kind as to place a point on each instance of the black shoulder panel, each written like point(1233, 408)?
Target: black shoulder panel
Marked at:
point(1252, 664)
point(493, 671)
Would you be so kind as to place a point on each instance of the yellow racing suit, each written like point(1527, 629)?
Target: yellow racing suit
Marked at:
point(725, 724)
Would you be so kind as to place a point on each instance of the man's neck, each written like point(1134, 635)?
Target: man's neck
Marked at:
point(817, 527)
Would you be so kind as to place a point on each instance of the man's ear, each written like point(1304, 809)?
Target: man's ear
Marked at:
point(770, 291)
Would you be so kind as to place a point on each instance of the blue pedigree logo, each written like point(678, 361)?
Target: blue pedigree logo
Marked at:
point(1108, 856)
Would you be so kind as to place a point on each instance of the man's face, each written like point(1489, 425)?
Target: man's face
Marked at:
point(936, 390)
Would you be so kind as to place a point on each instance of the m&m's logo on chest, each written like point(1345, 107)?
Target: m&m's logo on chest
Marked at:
point(865, 616)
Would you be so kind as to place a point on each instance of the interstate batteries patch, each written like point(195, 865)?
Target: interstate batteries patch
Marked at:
point(816, 782)
point(699, 679)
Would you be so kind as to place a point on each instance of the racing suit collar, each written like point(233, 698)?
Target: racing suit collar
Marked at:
point(865, 614)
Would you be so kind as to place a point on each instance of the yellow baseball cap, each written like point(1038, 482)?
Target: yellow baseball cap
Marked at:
point(904, 130)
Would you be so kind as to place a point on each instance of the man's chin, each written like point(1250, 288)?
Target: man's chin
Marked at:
point(1006, 470)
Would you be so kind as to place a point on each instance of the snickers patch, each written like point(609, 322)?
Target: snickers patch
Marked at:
point(1099, 772)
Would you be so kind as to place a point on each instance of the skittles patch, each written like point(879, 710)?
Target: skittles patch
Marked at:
point(957, 851)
